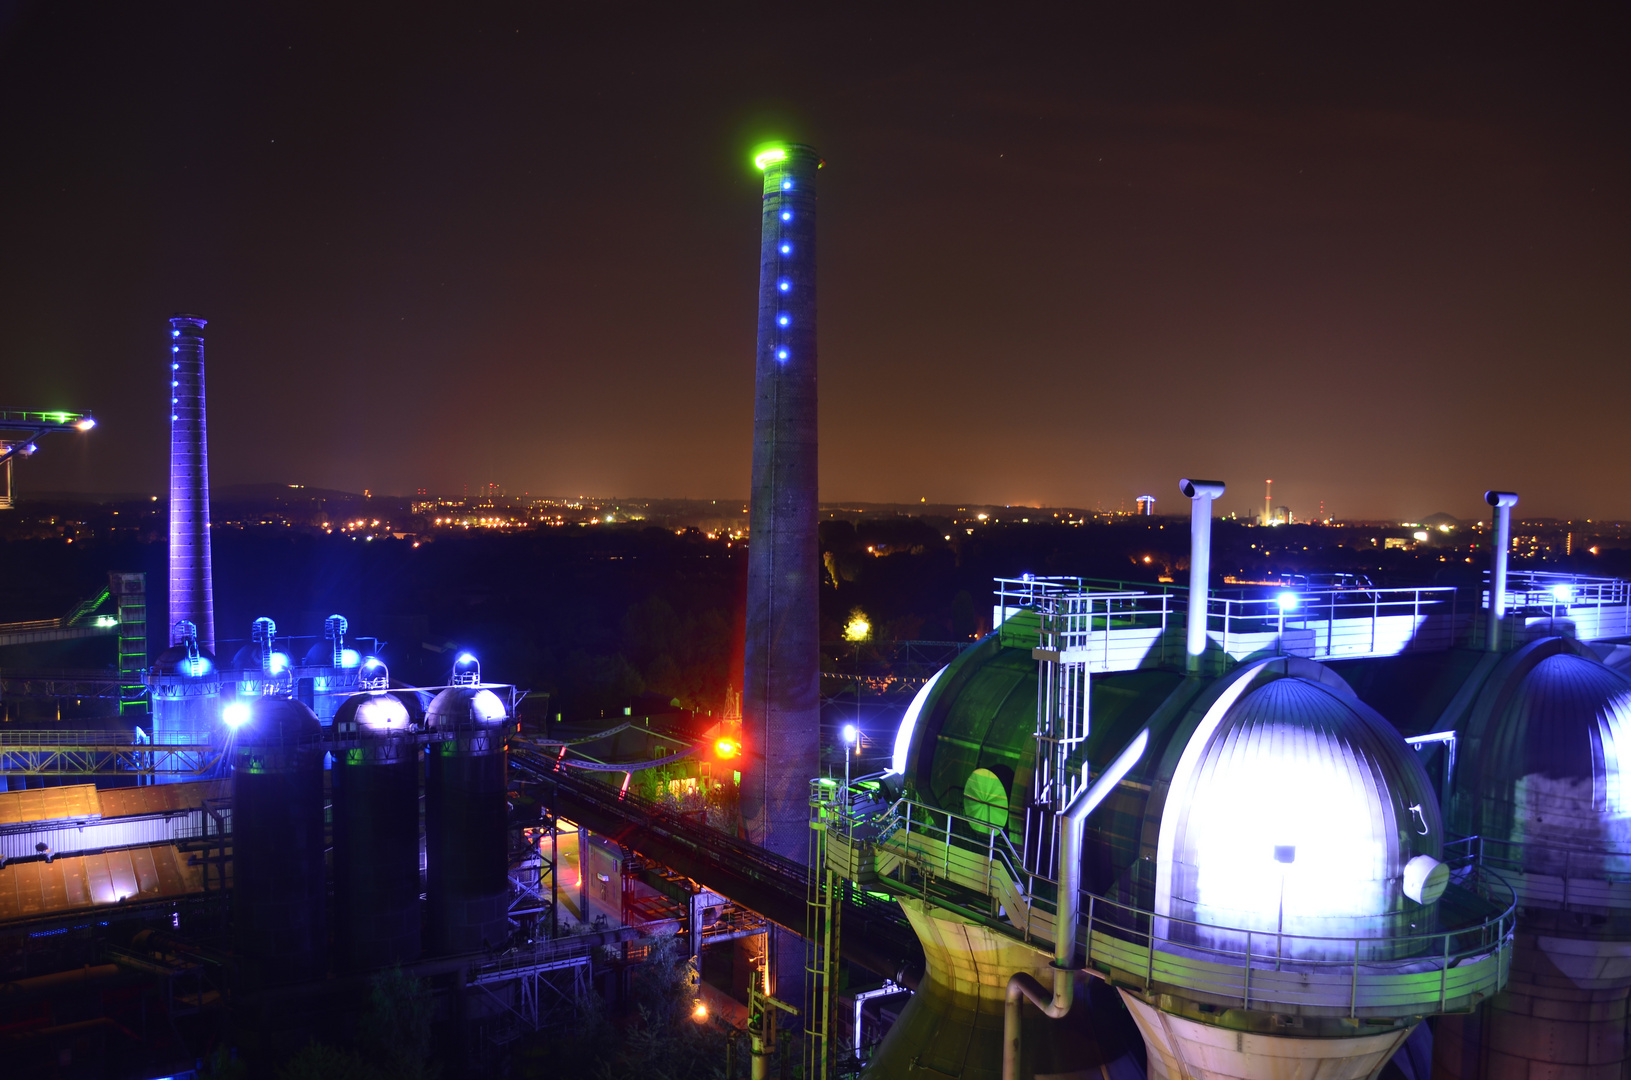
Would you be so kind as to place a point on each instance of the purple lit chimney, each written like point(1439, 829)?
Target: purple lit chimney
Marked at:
point(192, 594)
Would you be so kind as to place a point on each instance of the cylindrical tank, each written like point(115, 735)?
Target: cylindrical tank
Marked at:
point(1543, 782)
point(1289, 819)
point(333, 668)
point(466, 813)
point(279, 929)
point(376, 832)
point(185, 689)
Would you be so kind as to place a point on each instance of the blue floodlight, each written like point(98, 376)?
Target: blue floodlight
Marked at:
point(1286, 600)
point(278, 662)
point(851, 734)
point(466, 658)
point(236, 714)
point(1563, 593)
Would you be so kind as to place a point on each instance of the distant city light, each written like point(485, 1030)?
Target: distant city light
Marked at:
point(236, 714)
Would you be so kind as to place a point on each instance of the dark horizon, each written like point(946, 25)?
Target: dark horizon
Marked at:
point(1067, 257)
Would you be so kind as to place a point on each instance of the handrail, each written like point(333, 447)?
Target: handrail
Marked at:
point(1317, 969)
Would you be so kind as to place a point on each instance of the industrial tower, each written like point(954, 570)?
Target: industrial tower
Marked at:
point(192, 593)
point(780, 689)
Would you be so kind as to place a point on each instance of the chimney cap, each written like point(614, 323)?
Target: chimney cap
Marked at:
point(1201, 489)
point(1501, 498)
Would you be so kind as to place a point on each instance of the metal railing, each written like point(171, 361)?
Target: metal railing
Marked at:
point(1117, 630)
point(1336, 622)
point(941, 856)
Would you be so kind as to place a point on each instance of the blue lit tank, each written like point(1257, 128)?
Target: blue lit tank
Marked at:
point(279, 929)
point(1542, 781)
point(332, 668)
point(466, 815)
point(376, 831)
point(185, 689)
point(1294, 808)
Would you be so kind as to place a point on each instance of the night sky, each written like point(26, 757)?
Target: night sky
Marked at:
point(1066, 257)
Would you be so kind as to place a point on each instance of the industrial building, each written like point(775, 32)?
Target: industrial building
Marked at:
point(1299, 830)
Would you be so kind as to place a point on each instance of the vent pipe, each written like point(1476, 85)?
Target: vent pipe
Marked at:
point(1201, 493)
point(1068, 910)
point(334, 628)
point(192, 590)
point(1503, 502)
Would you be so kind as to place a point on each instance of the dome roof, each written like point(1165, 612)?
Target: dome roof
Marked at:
point(463, 707)
point(173, 661)
point(1294, 805)
point(376, 712)
point(278, 721)
point(1555, 754)
point(321, 655)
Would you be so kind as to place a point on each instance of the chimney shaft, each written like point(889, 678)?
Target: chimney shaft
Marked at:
point(1201, 493)
point(781, 702)
point(1503, 502)
point(192, 593)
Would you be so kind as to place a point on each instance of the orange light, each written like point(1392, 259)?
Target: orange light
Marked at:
point(727, 748)
point(700, 1013)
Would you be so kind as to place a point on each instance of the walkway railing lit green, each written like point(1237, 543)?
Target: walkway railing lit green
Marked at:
point(972, 870)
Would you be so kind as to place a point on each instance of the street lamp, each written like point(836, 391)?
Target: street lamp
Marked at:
point(852, 737)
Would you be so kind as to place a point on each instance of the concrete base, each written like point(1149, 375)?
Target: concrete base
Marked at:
point(953, 1024)
point(1182, 1049)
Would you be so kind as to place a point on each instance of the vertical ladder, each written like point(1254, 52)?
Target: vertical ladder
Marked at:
point(823, 903)
point(130, 593)
point(1062, 689)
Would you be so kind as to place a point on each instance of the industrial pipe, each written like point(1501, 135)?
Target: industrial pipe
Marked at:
point(1067, 911)
point(1503, 502)
point(1201, 493)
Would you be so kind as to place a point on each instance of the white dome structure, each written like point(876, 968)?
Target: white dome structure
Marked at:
point(1294, 810)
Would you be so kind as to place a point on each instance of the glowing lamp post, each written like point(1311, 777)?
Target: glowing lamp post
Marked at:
point(1286, 601)
point(852, 737)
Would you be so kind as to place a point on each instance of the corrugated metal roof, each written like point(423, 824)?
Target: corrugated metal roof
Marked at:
point(36, 889)
point(158, 798)
point(49, 804)
point(84, 800)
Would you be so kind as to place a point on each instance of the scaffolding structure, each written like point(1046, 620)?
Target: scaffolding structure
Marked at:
point(823, 906)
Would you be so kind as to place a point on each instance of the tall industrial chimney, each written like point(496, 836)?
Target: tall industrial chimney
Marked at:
point(192, 593)
point(781, 711)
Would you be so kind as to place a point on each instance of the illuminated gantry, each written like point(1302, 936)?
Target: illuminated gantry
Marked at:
point(20, 431)
point(100, 753)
